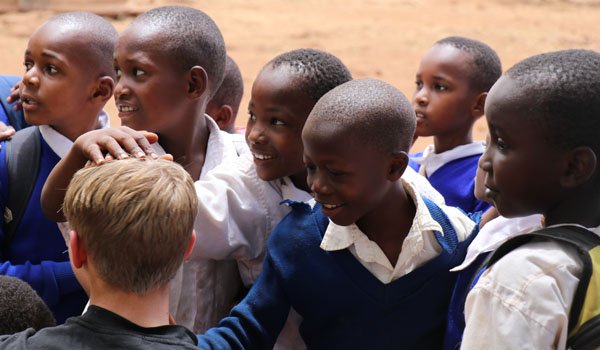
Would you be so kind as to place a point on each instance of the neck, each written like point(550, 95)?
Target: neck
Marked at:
point(149, 310)
point(188, 146)
point(72, 130)
point(299, 180)
point(445, 143)
point(579, 208)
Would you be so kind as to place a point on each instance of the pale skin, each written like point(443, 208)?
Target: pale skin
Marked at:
point(148, 310)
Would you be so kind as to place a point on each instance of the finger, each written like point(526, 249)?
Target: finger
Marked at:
point(7, 133)
point(93, 154)
point(167, 156)
point(142, 142)
point(113, 147)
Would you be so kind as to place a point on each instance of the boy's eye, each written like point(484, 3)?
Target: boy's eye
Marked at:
point(251, 116)
point(275, 121)
point(28, 66)
point(500, 144)
point(419, 84)
point(440, 87)
point(310, 167)
point(138, 72)
point(51, 69)
point(337, 173)
point(118, 72)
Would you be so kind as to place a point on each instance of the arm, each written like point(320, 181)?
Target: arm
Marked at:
point(116, 142)
point(256, 322)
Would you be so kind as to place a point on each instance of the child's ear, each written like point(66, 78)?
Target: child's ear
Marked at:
point(77, 251)
point(104, 89)
point(223, 116)
point(197, 82)
point(190, 247)
point(397, 166)
point(581, 166)
point(477, 110)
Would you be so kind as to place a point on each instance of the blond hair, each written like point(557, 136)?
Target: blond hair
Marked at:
point(135, 218)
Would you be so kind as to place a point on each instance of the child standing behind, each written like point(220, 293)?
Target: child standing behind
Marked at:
point(68, 78)
point(127, 258)
point(451, 86)
point(375, 273)
point(544, 122)
point(224, 105)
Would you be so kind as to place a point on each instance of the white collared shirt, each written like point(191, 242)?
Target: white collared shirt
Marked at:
point(418, 247)
point(430, 161)
point(523, 301)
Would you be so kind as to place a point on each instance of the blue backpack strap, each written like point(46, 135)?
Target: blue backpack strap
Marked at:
point(448, 240)
point(15, 118)
point(22, 164)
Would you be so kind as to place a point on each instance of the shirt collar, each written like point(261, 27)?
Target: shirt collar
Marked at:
point(59, 143)
point(430, 161)
point(338, 237)
point(289, 191)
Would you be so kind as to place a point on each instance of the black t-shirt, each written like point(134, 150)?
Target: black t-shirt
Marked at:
point(99, 328)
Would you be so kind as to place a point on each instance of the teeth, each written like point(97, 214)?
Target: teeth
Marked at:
point(261, 156)
point(30, 102)
point(330, 206)
point(126, 109)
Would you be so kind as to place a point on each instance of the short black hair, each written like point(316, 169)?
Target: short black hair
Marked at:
point(232, 88)
point(368, 110)
point(97, 37)
point(319, 71)
point(562, 90)
point(487, 67)
point(21, 307)
point(191, 37)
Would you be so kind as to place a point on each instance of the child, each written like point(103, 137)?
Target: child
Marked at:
point(452, 83)
point(21, 307)
point(68, 79)
point(340, 280)
point(167, 93)
point(128, 261)
point(224, 105)
point(544, 122)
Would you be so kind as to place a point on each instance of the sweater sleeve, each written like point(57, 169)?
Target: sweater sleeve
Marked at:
point(256, 322)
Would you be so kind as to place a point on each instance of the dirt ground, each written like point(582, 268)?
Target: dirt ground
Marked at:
point(375, 38)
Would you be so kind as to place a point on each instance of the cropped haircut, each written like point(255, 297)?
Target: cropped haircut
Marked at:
point(135, 218)
point(97, 39)
point(21, 307)
point(191, 37)
point(562, 92)
point(232, 88)
point(318, 71)
point(486, 63)
point(370, 111)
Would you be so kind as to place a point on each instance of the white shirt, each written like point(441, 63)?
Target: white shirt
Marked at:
point(430, 161)
point(418, 247)
point(523, 301)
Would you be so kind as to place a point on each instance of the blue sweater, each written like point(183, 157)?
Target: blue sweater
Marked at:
point(455, 181)
point(342, 304)
point(37, 253)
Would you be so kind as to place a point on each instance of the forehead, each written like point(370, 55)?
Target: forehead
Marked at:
point(280, 82)
point(137, 39)
point(447, 60)
point(64, 41)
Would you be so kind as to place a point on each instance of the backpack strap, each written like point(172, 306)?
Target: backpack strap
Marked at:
point(15, 118)
point(22, 164)
point(582, 239)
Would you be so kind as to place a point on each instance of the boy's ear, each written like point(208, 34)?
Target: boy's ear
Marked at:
point(397, 166)
point(478, 108)
point(223, 116)
point(77, 250)
point(190, 247)
point(104, 89)
point(197, 82)
point(581, 167)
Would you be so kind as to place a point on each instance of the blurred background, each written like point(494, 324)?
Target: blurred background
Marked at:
point(384, 39)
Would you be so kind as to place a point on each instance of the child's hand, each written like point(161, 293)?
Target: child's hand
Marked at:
point(15, 96)
point(6, 131)
point(117, 143)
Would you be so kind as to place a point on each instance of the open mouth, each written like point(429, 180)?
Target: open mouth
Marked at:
point(29, 101)
point(261, 156)
point(126, 109)
point(420, 115)
point(331, 206)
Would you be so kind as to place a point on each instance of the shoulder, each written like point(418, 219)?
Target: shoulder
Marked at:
point(303, 227)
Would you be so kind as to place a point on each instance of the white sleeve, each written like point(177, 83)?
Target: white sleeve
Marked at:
point(233, 216)
point(523, 301)
point(422, 185)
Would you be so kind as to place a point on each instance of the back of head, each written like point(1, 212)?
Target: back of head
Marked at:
point(562, 93)
point(21, 307)
point(486, 67)
point(93, 36)
point(232, 88)
point(135, 218)
point(317, 71)
point(192, 38)
point(368, 110)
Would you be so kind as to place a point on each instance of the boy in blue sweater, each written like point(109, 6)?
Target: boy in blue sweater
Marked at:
point(366, 265)
point(68, 79)
point(451, 86)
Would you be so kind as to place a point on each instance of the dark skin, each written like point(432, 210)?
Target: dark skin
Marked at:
point(359, 184)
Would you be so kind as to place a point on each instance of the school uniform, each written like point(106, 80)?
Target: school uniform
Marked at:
point(523, 301)
point(346, 294)
point(37, 253)
point(452, 173)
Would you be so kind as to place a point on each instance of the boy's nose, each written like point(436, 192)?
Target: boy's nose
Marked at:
point(121, 89)
point(485, 161)
point(257, 135)
point(317, 183)
point(30, 78)
point(421, 98)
